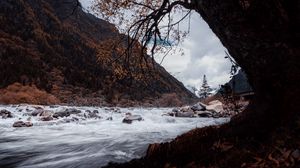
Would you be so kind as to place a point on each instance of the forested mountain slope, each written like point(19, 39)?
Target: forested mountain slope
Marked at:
point(58, 49)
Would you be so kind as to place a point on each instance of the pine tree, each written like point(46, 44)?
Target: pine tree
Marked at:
point(204, 89)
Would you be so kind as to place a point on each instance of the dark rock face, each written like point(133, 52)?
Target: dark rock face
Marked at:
point(70, 54)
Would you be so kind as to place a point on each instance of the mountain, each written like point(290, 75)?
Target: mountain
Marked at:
point(59, 52)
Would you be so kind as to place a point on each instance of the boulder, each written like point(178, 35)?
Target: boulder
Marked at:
point(37, 112)
point(185, 109)
point(73, 111)
point(198, 107)
point(95, 111)
point(117, 111)
point(45, 114)
point(215, 102)
point(215, 106)
point(66, 113)
point(130, 118)
point(175, 110)
point(204, 113)
point(110, 108)
point(68, 120)
point(185, 114)
point(169, 114)
point(38, 107)
point(6, 114)
point(90, 114)
point(22, 124)
point(109, 118)
point(53, 106)
point(47, 118)
point(61, 114)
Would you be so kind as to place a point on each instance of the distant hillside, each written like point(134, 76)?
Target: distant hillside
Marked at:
point(54, 47)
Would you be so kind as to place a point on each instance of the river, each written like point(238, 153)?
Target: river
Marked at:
point(91, 142)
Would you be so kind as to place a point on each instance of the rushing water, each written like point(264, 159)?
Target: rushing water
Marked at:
point(87, 142)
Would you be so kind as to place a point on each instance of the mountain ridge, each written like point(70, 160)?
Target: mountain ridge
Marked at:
point(71, 54)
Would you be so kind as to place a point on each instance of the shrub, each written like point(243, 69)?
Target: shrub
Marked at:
point(169, 100)
point(17, 93)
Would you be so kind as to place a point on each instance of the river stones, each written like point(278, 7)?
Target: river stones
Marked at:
point(66, 113)
point(61, 114)
point(92, 114)
point(37, 112)
point(130, 118)
point(46, 118)
point(73, 111)
point(215, 106)
point(5, 114)
point(185, 109)
point(22, 124)
point(198, 107)
point(185, 114)
point(169, 114)
point(109, 118)
point(204, 113)
point(117, 110)
point(68, 120)
point(53, 106)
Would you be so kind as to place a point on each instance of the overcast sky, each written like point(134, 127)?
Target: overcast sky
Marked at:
point(204, 54)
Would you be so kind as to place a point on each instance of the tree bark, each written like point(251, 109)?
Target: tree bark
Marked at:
point(263, 37)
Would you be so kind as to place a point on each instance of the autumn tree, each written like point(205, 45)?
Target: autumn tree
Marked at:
point(261, 36)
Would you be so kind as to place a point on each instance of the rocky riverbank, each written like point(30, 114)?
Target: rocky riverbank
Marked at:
point(214, 109)
point(65, 114)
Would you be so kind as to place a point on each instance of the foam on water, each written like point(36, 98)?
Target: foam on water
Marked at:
point(88, 142)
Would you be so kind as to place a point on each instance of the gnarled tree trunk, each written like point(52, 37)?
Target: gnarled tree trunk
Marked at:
point(263, 37)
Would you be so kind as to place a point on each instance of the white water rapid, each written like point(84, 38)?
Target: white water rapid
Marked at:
point(80, 141)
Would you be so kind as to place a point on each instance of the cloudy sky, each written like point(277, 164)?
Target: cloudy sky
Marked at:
point(204, 54)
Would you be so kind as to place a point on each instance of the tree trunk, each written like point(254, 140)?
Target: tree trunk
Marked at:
point(263, 37)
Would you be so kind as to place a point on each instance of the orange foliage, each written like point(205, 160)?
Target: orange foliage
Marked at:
point(17, 93)
point(169, 100)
